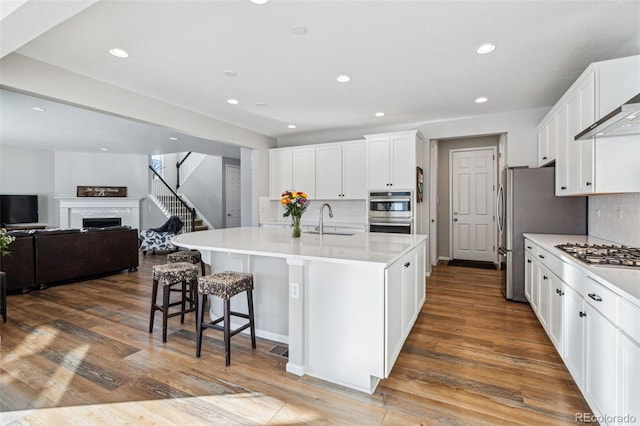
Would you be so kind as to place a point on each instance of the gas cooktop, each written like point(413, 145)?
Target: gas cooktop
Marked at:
point(606, 255)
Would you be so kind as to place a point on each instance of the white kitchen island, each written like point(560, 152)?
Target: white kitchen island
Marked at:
point(343, 303)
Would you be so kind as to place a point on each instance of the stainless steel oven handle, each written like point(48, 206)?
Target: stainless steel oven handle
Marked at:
point(387, 200)
point(390, 224)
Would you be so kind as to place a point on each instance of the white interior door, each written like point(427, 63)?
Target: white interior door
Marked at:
point(472, 211)
point(232, 200)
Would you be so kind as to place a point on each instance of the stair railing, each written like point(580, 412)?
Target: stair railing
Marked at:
point(163, 191)
point(186, 166)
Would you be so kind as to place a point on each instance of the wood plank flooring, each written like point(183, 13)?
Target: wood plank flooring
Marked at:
point(81, 354)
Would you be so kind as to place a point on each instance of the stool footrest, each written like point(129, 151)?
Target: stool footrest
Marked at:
point(213, 325)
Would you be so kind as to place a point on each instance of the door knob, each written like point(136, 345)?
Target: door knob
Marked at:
point(455, 220)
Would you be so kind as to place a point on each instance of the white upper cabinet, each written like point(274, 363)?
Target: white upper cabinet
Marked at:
point(280, 171)
point(341, 171)
point(392, 160)
point(292, 168)
point(603, 164)
point(304, 170)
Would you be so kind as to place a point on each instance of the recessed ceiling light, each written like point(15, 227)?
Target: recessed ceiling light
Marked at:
point(632, 116)
point(626, 125)
point(173, 138)
point(104, 149)
point(232, 101)
point(259, 1)
point(291, 126)
point(119, 53)
point(380, 114)
point(343, 78)
point(600, 134)
point(298, 29)
point(481, 100)
point(39, 109)
point(229, 73)
point(486, 48)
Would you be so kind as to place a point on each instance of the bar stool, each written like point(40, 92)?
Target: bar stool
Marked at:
point(225, 285)
point(168, 276)
point(191, 256)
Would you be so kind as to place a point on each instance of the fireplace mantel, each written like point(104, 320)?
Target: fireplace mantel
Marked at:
point(74, 209)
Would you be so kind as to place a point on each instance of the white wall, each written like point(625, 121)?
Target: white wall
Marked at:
point(30, 171)
point(616, 218)
point(79, 168)
point(204, 190)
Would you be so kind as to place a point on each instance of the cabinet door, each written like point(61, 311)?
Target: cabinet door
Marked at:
point(328, 167)
point(394, 319)
point(600, 367)
point(554, 322)
point(543, 138)
point(354, 171)
point(586, 149)
point(378, 155)
point(535, 287)
point(628, 377)
point(562, 145)
point(529, 276)
point(410, 290)
point(572, 145)
point(573, 326)
point(280, 172)
point(544, 290)
point(403, 166)
point(304, 170)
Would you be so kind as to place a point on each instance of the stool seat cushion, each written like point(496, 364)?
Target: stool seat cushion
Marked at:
point(225, 284)
point(191, 256)
point(175, 272)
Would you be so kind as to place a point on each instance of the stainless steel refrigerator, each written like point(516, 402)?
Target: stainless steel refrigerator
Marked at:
point(527, 203)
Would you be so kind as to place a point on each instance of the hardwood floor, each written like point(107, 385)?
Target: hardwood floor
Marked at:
point(81, 354)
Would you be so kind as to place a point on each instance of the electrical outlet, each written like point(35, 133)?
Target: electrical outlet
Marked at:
point(295, 290)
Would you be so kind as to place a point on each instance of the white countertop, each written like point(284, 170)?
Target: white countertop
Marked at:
point(624, 281)
point(327, 223)
point(364, 247)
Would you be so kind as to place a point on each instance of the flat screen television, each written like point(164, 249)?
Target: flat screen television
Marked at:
point(16, 209)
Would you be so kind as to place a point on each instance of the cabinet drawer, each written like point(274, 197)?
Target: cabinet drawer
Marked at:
point(629, 319)
point(603, 299)
point(531, 248)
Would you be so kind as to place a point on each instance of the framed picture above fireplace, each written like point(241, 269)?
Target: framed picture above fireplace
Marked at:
point(101, 191)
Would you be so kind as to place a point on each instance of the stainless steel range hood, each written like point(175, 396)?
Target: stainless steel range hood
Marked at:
point(624, 120)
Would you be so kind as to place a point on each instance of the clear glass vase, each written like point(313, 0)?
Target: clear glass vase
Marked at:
point(295, 226)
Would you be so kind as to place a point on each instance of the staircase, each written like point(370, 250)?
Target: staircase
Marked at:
point(171, 204)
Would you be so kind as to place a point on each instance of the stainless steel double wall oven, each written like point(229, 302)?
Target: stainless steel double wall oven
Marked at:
point(391, 212)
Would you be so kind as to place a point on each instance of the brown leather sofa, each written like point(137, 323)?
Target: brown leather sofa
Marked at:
point(43, 257)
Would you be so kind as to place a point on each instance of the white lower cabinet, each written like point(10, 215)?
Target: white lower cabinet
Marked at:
point(574, 327)
point(595, 331)
point(556, 312)
point(529, 278)
point(628, 380)
point(600, 357)
point(407, 274)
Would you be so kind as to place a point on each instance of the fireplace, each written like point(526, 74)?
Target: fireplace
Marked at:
point(74, 211)
point(101, 222)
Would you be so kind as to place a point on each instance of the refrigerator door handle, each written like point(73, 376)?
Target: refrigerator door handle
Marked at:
point(500, 208)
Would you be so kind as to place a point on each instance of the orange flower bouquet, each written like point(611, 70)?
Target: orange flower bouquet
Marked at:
point(295, 203)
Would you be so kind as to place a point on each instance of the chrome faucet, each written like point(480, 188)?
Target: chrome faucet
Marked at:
point(321, 224)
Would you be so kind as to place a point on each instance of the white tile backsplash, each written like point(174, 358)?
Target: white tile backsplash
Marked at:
point(615, 218)
point(344, 212)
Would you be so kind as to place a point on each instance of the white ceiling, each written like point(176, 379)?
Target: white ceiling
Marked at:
point(414, 60)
